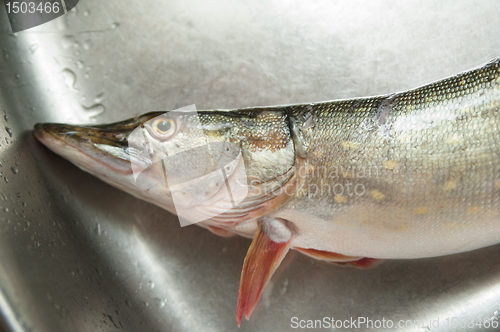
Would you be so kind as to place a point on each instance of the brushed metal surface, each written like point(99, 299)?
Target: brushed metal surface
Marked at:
point(79, 255)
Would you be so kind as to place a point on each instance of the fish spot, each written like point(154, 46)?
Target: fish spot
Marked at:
point(348, 145)
point(340, 199)
point(454, 139)
point(420, 210)
point(402, 228)
point(318, 152)
point(455, 225)
point(348, 175)
point(450, 185)
point(377, 195)
point(390, 164)
point(474, 209)
point(302, 192)
point(405, 138)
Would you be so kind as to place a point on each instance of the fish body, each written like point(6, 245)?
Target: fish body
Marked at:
point(408, 175)
point(405, 175)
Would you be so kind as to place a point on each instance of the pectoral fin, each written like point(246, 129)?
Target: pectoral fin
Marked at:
point(339, 259)
point(362, 263)
point(268, 248)
point(220, 231)
point(327, 255)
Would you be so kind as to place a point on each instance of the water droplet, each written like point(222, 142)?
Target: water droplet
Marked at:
point(284, 287)
point(6, 180)
point(87, 44)
point(127, 302)
point(5, 209)
point(71, 273)
point(115, 25)
point(80, 64)
point(37, 244)
point(86, 13)
point(94, 110)
point(6, 118)
point(33, 48)
point(19, 195)
point(98, 229)
point(28, 224)
point(69, 78)
point(151, 284)
point(61, 24)
point(68, 41)
point(9, 131)
point(99, 98)
point(14, 170)
point(159, 302)
point(18, 76)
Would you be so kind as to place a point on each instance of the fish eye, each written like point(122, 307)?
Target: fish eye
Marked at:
point(163, 126)
point(162, 129)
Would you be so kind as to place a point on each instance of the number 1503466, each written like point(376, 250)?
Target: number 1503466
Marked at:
point(32, 7)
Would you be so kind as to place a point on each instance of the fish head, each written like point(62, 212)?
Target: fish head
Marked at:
point(217, 167)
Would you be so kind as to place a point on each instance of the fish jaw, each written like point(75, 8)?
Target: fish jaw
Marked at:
point(104, 152)
point(70, 142)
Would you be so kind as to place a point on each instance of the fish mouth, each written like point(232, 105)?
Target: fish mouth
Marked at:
point(92, 146)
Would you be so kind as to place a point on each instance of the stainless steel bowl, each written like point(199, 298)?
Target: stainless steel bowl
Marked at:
point(79, 255)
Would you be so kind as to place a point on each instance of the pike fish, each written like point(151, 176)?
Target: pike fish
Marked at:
point(399, 176)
